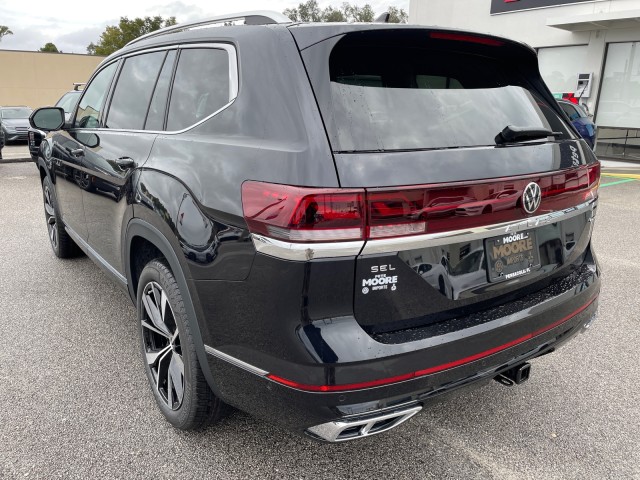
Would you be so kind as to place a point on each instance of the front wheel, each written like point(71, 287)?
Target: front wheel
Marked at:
point(61, 243)
point(169, 354)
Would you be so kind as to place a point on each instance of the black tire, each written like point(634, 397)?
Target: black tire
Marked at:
point(61, 243)
point(169, 353)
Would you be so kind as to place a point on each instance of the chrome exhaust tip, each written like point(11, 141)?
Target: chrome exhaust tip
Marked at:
point(344, 430)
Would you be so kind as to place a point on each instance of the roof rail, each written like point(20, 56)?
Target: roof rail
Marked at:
point(257, 17)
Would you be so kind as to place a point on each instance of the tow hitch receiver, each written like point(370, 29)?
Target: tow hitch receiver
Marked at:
point(515, 375)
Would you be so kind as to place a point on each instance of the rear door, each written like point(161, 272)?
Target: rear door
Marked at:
point(458, 218)
point(122, 144)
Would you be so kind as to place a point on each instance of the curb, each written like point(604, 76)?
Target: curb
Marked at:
point(15, 160)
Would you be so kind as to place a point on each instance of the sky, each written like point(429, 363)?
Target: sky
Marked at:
point(72, 25)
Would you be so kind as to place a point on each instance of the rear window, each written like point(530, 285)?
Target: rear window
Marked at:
point(401, 91)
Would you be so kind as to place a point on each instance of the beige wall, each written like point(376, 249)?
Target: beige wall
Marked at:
point(37, 79)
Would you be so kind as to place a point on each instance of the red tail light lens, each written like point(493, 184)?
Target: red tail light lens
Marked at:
point(303, 214)
point(297, 214)
point(396, 213)
point(594, 174)
point(461, 37)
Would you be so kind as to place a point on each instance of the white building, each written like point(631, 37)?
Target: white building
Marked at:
point(597, 37)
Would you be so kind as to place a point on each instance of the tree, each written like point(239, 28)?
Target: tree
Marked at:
point(331, 14)
point(358, 14)
point(50, 48)
point(309, 11)
point(115, 37)
point(397, 15)
point(4, 31)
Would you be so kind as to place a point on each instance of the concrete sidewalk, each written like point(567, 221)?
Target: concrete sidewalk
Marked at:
point(15, 153)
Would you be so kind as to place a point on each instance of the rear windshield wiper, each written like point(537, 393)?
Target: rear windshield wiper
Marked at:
point(512, 134)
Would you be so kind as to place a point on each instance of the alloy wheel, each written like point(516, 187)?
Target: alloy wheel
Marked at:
point(50, 214)
point(161, 341)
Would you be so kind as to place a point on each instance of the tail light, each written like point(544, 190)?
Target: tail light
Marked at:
point(297, 214)
point(594, 175)
point(307, 214)
point(396, 213)
point(461, 37)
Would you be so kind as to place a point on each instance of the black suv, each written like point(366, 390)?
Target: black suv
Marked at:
point(327, 225)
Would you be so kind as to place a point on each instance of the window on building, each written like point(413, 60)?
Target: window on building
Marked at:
point(559, 67)
point(619, 101)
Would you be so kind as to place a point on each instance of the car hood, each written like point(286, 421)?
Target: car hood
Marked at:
point(15, 122)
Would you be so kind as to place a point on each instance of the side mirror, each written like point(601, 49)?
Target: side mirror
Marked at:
point(47, 118)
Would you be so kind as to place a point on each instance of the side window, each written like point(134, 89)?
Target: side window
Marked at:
point(155, 117)
point(201, 86)
point(93, 99)
point(133, 91)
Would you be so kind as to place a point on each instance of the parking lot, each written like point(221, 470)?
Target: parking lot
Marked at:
point(76, 404)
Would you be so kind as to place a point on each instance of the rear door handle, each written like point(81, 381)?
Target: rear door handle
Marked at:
point(125, 162)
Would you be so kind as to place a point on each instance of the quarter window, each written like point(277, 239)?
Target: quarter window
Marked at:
point(92, 101)
point(200, 88)
point(133, 91)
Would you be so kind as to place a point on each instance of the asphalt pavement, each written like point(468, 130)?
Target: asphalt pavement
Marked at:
point(75, 403)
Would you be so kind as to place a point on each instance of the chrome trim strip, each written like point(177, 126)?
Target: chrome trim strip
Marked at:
point(375, 247)
point(235, 362)
point(305, 251)
point(234, 83)
point(95, 255)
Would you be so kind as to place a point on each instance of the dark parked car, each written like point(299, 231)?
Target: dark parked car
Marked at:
point(15, 123)
point(581, 120)
point(272, 197)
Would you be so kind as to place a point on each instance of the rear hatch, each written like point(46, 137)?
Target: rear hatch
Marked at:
point(460, 217)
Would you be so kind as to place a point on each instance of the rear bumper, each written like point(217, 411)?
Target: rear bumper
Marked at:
point(372, 377)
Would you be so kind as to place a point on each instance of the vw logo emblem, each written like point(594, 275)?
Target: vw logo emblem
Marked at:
point(531, 197)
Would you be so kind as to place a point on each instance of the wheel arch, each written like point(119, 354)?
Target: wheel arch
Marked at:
point(141, 229)
point(44, 170)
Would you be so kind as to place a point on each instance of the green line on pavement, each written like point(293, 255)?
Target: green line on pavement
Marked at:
point(618, 182)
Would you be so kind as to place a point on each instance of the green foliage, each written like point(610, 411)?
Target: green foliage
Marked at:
point(50, 48)
point(331, 14)
point(310, 11)
point(359, 14)
point(4, 30)
point(397, 15)
point(117, 36)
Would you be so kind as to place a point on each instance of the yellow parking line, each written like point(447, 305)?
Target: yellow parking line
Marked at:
point(634, 176)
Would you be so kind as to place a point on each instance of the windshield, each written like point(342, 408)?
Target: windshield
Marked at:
point(68, 101)
point(388, 93)
point(15, 113)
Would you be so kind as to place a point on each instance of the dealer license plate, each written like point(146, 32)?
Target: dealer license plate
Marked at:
point(512, 255)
